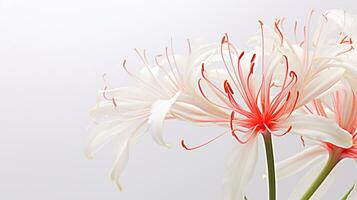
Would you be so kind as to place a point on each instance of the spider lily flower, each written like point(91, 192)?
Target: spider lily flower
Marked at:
point(264, 103)
point(165, 90)
point(331, 45)
point(341, 108)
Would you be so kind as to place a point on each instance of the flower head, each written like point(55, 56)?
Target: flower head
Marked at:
point(343, 111)
point(264, 89)
point(332, 46)
point(266, 101)
point(340, 107)
point(165, 90)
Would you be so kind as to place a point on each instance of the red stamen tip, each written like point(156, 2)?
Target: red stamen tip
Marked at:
point(302, 141)
point(203, 69)
point(227, 87)
point(184, 145)
point(293, 74)
point(241, 55)
point(114, 102)
point(253, 58)
point(251, 68)
point(224, 39)
point(201, 145)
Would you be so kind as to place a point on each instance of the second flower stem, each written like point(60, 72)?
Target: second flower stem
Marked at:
point(331, 163)
point(270, 164)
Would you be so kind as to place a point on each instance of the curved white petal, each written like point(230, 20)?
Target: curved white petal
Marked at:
point(319, 85)
point(319, 128)
point(107, 131)
point(158, 113)
point(305, 182)
point(121, 160)
point(102, 137)
point(240, 169)
point(299, 161)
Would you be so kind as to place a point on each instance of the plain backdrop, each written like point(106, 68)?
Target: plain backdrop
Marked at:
point(52, 57)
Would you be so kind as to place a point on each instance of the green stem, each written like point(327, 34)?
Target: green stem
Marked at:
point(348, 193)
point(331, 163)
point(270, 164)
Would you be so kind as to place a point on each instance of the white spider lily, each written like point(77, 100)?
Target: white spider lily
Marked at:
point(292, 75)
point(340, 108)
point(166, 90)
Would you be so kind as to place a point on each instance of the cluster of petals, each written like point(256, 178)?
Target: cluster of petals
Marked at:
point(280, 86)
point(339, 105)
point(266, 88)
point(165, 89)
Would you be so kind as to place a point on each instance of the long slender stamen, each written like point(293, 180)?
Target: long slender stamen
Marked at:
point(206, 79)
point(170, 65)
point(243, 88)
point(264, 97)
point(225, 41)
point(173, 57)
point(283, 87)
point(251, 70)
point(302, 141)
point(183, 144)
point(229, 91)
point(307, 109)
point(146, 64)
point(143, 60)
point(104, 92)
point(293, 105)
point(284, 93)
point(295, 31)
point(284, 109)
point(189, 47)
point(144, 84)
point(345, 51)
point(109, 99)
point(205, 96)
point(165, 71)
point(277, 29)
point(262, 38)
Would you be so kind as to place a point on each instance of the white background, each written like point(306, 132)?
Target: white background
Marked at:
point(52, 56)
